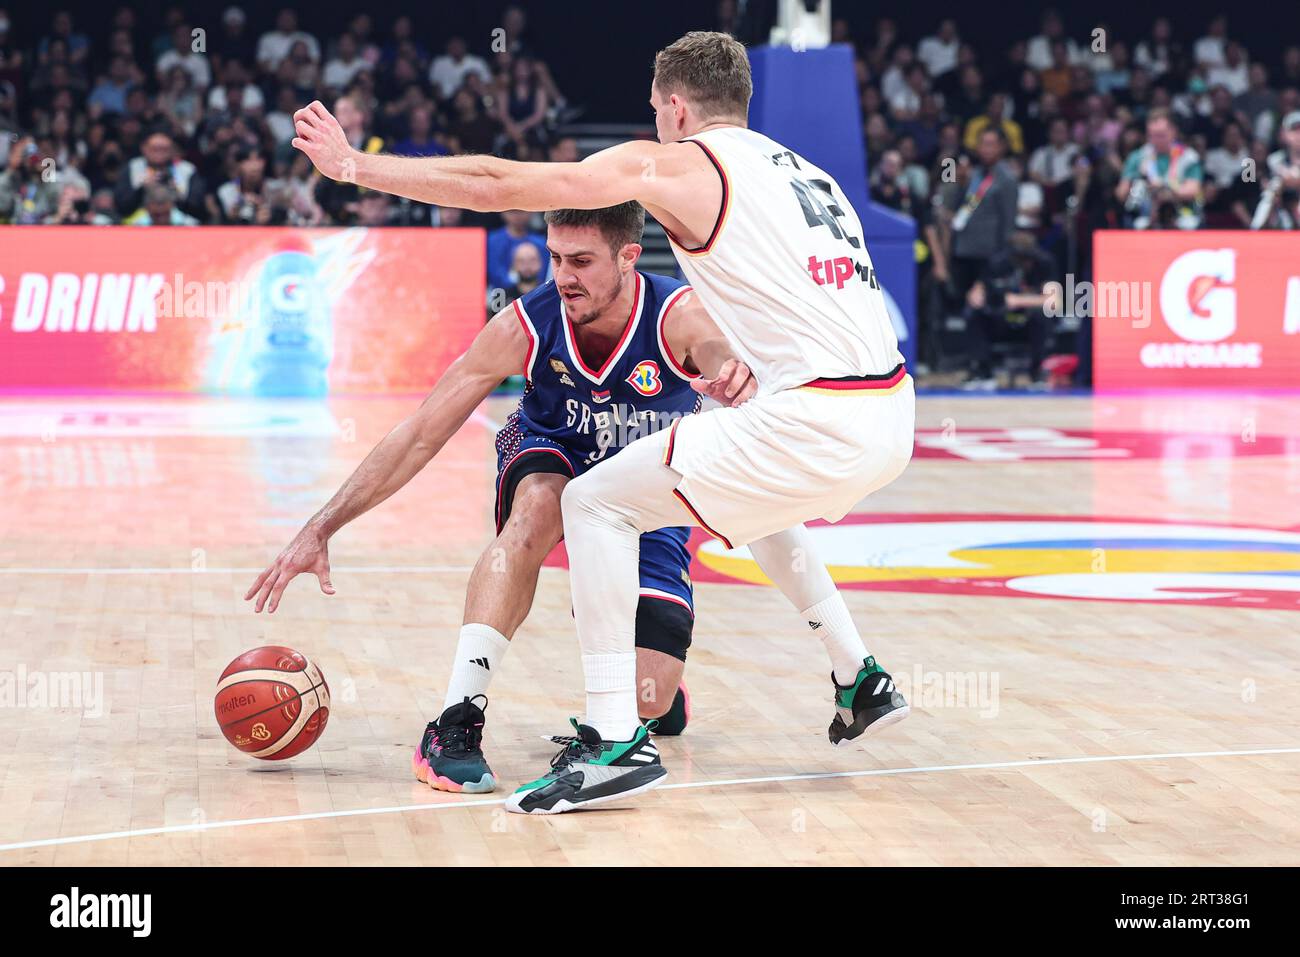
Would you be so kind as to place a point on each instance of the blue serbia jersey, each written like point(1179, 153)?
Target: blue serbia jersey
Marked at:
point(591, 413)
point(583, 415)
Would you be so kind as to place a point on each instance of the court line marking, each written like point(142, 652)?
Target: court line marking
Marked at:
point(726, 782)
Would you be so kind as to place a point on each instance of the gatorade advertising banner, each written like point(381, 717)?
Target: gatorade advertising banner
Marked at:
point(1194, 310)
point(255, 311)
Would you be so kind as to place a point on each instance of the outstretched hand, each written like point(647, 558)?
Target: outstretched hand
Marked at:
point(308, 552)
point(320, 136)
point(733, 385)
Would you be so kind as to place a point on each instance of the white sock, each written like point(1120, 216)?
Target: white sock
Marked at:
point(611, 695)
point(479, 654)
point(830, 621)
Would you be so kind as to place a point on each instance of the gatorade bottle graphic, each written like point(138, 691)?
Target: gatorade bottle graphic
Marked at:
point(293, 337)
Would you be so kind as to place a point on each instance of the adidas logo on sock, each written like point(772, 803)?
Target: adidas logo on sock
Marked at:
point(482, 663)
point(814, 625)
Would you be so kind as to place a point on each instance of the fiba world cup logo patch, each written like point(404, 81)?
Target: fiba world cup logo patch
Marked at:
point(645, 378)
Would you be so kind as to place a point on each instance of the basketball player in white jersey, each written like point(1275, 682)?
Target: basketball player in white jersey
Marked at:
point(774, 250)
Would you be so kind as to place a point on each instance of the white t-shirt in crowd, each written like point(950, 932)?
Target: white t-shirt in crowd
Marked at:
point(1224, 167)
point(892, 82)
point(447, 75)
point(281, 126)
point(1052, 164)
point(1038, 53)
point(273, 46)
point(1209, 50)
point(1236, 79)
point(339, 73)
point(905, 101)
point(252, 100)
point(195, 64)
point(938, 57)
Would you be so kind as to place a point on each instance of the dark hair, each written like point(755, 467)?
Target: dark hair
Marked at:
point(621, 224)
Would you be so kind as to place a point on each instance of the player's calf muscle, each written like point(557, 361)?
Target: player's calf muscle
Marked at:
point(657, 678)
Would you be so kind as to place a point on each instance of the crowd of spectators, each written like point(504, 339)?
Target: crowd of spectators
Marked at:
point(173, 122)
point(1010, 159)
point(1007, 159)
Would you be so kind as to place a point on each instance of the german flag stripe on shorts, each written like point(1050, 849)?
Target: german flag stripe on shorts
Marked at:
point(885, 384)
point(703, 524)
point(672, 442)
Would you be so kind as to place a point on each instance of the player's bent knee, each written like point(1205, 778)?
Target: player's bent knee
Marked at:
point(532, 529)
point(580, 498)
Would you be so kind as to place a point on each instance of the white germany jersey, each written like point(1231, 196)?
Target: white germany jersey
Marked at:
point(786, 274)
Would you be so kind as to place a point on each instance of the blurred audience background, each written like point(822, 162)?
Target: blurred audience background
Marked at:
point(1008, 156)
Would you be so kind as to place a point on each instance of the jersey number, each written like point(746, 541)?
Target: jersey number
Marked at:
point(819, 213)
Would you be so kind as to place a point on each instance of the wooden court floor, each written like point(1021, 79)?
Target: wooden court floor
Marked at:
point(1091, 602)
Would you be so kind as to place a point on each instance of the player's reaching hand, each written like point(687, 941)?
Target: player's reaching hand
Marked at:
point(320, 136)
point(308, 552)
point(733, 385)
point(690, 332)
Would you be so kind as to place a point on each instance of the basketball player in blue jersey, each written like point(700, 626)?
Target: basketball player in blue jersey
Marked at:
point(610, 355)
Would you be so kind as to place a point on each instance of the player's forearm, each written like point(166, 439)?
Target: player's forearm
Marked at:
point(392, 463)
point(401, 454)
point(709, 354)
point(482, 183)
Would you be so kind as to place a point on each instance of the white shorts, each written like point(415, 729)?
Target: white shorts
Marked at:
point(792, 456)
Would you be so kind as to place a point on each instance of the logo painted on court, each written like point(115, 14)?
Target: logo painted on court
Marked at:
point(1044, 557)
point(1024, 444)
point(645, 378)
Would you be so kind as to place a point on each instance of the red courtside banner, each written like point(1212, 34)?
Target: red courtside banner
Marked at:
point(235, 310)
point(1214, 309)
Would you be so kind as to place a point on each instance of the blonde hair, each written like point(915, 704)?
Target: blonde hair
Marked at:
point(711, 70)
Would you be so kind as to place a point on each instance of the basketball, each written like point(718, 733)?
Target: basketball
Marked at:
point(272, 703)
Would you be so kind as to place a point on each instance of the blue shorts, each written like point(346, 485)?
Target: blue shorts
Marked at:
point(667, 605)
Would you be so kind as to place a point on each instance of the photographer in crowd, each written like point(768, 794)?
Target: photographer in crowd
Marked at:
point(1162, 181)
point(28, 191)
point(158, 163)
point(1279, 202)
